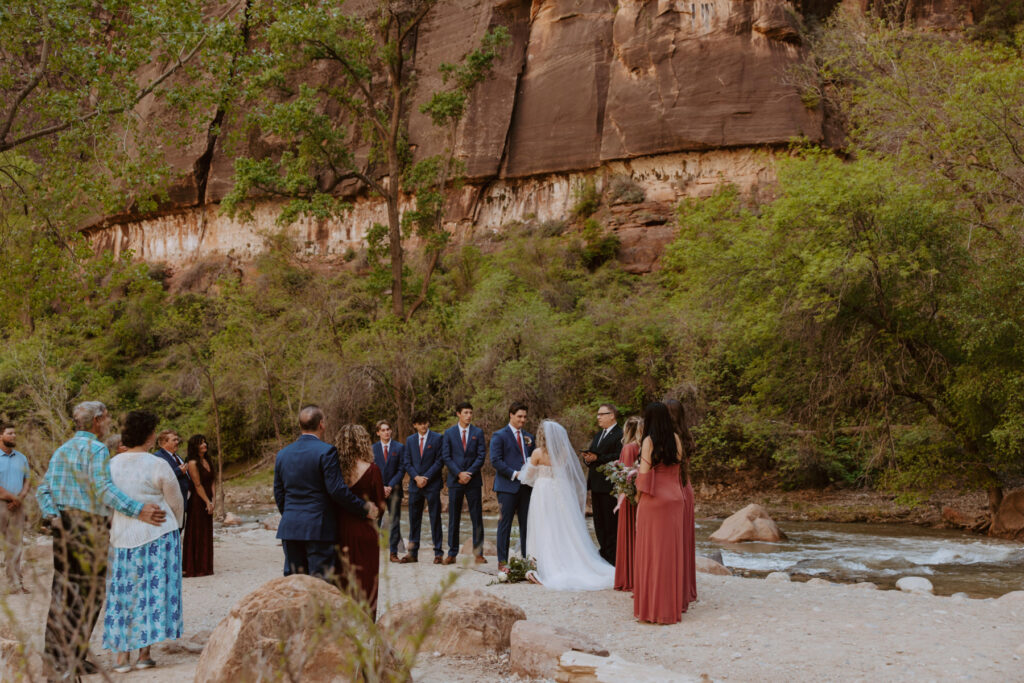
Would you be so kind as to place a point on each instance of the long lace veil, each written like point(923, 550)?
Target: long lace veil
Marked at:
point(564, 464)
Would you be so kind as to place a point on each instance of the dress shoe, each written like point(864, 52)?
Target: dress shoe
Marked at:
point(480, 559)
point(395, 557)
point(502, 567)
point(437, 559)
point(409, 559)
point(448, 560)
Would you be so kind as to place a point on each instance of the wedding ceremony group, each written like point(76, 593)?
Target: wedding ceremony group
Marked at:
point(128, 522)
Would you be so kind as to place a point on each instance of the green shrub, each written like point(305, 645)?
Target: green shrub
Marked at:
point(624, 190)
point(588, 199)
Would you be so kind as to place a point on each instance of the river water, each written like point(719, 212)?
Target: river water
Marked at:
point(953, 561)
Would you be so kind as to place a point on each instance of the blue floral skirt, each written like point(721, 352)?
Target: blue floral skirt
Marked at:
point(143, 594)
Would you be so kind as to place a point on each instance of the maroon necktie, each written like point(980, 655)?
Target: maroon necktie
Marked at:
point(385, 452)
point(463, 439)
point(519, 440)
point(422, 439)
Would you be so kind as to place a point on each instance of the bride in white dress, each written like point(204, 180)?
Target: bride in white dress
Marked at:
point(557, 536)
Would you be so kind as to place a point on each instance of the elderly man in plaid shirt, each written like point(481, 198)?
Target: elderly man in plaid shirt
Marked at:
point(76, 498)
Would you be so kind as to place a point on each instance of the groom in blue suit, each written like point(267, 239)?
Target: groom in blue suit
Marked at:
point(422, 461)
point(510, 449)
point(463, 451)
point(307, 484)
point(387, 455)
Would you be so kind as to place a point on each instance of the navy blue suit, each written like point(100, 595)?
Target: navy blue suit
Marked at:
point(307, 485)
point(184, 483)
point(470, 459)
point(392, 473)
point(513, 497)
point(426, 465)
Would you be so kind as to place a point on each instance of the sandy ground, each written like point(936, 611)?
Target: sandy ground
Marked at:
point(739, 630)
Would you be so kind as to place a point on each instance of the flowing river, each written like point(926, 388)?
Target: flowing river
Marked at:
point(954, 561)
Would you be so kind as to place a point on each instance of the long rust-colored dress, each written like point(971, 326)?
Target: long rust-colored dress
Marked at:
point(626, 543)
point(659, 580)
point(689, 545)
point(197, 545)
point(357, 538)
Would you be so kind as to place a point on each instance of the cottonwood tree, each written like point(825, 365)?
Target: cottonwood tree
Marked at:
point(333, 86)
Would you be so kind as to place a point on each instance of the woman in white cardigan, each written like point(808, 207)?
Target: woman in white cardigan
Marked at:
point(144, 576)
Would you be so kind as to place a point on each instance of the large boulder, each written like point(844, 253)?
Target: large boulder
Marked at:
point(300, 624)
point(536, 648)
point(1009, 519)
point(752, 523)
point(466, 622)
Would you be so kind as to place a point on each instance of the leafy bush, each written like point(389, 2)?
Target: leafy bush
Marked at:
point(588, 199)
point(624, 190)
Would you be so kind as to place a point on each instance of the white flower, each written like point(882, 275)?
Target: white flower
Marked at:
point(502, 577)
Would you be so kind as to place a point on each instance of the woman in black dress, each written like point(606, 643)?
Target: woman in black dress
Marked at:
point(197, 555)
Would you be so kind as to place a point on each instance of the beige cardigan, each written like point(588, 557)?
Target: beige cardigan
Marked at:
point(147, 479)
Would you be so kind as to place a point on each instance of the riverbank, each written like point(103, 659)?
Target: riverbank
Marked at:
point(740, 629)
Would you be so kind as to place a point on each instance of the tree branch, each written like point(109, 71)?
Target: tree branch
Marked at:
point(37, 77)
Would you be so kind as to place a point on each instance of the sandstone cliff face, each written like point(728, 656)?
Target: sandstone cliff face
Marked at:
point(679, 94)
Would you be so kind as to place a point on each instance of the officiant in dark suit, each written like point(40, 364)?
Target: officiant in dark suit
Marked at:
point(307, 484)
point(463, 452)
point(604, 448)
point(168, 442)
point(387, 455)
point(510, 449)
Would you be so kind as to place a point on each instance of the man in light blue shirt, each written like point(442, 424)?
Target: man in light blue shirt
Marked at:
point(14, 483)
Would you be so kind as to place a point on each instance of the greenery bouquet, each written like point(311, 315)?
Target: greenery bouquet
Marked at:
point(623, 479)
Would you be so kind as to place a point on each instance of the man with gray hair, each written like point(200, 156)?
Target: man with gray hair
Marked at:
point(76, 498)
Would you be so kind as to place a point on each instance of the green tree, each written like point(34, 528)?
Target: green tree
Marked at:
point(350, 125)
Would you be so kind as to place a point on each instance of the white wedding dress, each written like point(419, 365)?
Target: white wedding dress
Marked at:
point(557, 537)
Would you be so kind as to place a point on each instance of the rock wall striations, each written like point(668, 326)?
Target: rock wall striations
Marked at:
point(678, 94)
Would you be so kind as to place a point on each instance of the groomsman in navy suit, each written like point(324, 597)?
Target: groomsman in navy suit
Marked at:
point(462, 449)
point(422, 460)
point(387, 454)
point(510, 449)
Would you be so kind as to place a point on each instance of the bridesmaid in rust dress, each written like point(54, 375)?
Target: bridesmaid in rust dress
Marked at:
point(678, 414)
point(359, 558)
point(659, 595)
point(197, 547)
point(631, 431)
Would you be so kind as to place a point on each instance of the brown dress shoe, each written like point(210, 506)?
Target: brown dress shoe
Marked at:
point(448, 560)
point(502, 567)
point(480, 559)
point(409, 559)
point(395, 557)
point(437, 559)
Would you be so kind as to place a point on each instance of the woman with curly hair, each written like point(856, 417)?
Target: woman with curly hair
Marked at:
point(359, 557)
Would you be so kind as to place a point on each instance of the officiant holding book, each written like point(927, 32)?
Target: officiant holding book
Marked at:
point(604, 448)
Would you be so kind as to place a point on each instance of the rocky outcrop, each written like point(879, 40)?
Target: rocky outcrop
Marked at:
point(536, 648)
point(299, 624)
point(752, 523)
point(467, 622)
point(1009, 519)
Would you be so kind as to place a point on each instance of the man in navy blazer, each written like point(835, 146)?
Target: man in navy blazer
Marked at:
point(307, 484)
point(462, 449)
point(510, 449)
point(422, 460)
point(168, 442)
point(387, 454)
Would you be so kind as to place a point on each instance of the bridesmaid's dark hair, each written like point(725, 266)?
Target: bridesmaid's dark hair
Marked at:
point(678, 412)
point(659, 427)
point(194, 442)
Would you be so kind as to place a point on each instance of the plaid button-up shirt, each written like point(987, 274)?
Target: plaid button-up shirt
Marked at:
point(79, 477)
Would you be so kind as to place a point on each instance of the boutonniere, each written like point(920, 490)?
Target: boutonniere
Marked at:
point(528, 440)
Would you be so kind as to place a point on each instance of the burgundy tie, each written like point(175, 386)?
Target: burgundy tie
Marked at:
point(385, 452)
point(463, 439)
point(422, 439)
point(519, 440)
